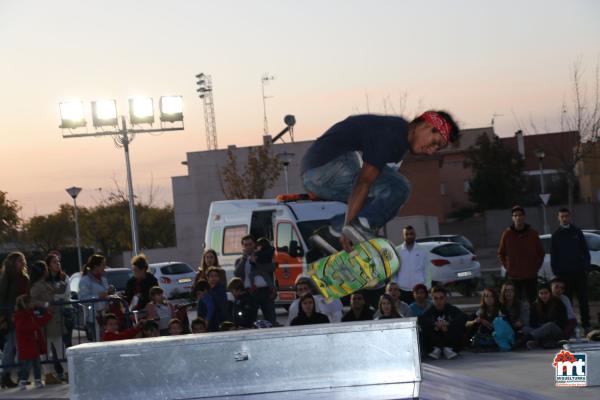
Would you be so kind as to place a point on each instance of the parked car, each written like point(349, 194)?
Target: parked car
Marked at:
point(460, 239)
point(449, 262)
point(545, 273)
point(174, 277)
point(116, 277)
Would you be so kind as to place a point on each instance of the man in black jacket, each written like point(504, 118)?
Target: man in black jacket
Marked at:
point(570, 259)
point(442, 327)
point(255, 268)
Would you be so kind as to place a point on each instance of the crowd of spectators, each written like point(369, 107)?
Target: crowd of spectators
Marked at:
point(522, 314)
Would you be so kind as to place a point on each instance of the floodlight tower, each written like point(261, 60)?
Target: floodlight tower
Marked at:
point(205, 93)
point(264, 80)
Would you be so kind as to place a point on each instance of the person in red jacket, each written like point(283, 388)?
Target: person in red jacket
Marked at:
point(30, 339)
point(522, 255)
point(111, 329)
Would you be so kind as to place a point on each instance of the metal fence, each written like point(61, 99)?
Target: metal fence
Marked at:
point(81, 322)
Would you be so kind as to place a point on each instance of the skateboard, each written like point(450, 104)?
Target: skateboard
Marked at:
point(369, 264)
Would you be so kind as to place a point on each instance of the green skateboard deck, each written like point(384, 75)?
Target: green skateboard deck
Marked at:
point(369, 264)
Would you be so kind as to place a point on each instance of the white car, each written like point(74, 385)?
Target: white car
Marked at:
point(175, 278)
point(449, 262)
point(545, 273)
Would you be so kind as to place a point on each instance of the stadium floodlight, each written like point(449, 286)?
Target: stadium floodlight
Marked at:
point(104, 113)
point(171, 108)
point(141, 110)
point(71, 115)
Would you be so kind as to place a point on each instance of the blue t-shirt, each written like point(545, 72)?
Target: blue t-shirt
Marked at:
point(416, 310)
point(382, 139)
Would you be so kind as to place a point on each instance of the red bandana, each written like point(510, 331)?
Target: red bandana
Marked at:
point(439, 123)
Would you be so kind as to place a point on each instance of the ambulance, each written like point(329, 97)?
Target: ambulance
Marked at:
point(287, 222)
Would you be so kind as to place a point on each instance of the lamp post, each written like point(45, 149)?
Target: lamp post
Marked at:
point(74, 192)
point(286, 159)
point(540, 154)
point(104, 113)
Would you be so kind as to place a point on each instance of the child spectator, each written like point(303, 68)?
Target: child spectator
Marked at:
point(558, 289)
point(206, 306)
point(422, 302)
point(30, 339)
point(548, 320)
point(307, 314)
point(264, 251)
point(137, 290)
point(199, 326)
point(393, 290)
point(159, 310)
point(480, 326)
point(244, 305)
point(359, 310)
point(442, 327)
point(219, 298)
point(387, 308)
point(150, 329)
point(175, 327)
point(111, 329)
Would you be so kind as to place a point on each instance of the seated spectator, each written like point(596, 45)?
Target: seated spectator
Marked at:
point(199, 326)
point(307, 313)
point(421, 302)
point(206, 306)
point(393, 290)
point(244, 305)
point(516, 311)
point(137, 291)
point(210, 259)
point(333, 310)
point(359, 310)
point(480, 326)
point(387, 308)
point(175, 327)
point(159, 310)
point(111, 329)
point(558, 289)
point(219, 298)
point(442, 327)
point(548, 320)
point(150, 329)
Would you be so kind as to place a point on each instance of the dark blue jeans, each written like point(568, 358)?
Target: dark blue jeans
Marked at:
point(335, 181)
point(26, 367)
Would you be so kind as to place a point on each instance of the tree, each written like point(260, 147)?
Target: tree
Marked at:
point(52, 231)
point(498, 179)
point(260, 173)
point(9, 217)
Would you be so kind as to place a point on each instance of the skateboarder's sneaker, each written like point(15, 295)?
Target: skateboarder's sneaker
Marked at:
point(358, 231)
point(436, 353)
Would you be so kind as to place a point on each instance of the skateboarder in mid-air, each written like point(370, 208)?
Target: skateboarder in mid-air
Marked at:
point(373, 190)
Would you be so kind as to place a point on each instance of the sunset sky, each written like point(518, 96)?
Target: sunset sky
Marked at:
point(330, 59)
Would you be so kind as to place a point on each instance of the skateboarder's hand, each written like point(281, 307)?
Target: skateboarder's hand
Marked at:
point(346, 244)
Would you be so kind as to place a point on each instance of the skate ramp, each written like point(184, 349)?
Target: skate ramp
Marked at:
point(370, 360)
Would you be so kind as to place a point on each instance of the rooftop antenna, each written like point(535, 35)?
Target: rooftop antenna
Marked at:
point(264, 80)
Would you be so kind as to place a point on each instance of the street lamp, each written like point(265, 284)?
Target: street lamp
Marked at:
point(104, 113)
point(540, 154)
point(286, 159)
point(73, 192)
